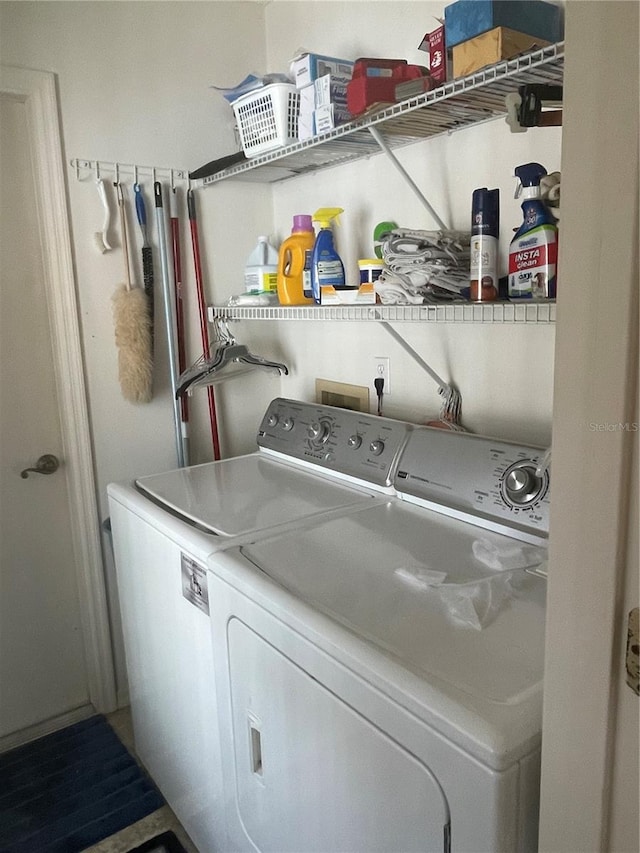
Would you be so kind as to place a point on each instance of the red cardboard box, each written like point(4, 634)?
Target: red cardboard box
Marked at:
point(434, 45)
point(374, 81)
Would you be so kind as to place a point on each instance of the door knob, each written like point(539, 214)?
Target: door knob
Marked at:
point(47, 464)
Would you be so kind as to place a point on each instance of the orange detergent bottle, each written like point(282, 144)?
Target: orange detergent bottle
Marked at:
point(294, 263)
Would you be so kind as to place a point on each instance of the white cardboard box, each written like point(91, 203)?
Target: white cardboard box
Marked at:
point(329, 90)
point(306, 119)
point(310, 66)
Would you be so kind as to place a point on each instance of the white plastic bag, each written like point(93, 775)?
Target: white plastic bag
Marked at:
point(508, 555)
point(477, 603)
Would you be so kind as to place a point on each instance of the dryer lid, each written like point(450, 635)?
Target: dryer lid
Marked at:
point(358, 570)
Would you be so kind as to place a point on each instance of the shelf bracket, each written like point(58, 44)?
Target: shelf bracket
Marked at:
point(412, 184)
point(452, 400)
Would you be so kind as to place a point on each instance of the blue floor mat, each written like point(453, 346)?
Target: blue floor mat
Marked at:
point(70, 789)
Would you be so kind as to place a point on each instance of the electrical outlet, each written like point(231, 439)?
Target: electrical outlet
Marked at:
point(381, 370)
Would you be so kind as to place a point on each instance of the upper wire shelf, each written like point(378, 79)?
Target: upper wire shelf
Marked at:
point(458, 312)
point(458, 104)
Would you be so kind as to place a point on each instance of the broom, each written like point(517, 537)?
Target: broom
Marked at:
point(132, 329)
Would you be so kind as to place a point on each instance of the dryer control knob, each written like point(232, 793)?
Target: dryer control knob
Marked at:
point(287, 424)
point(376, 447)
point(522, 486)
point(273, 420)
point(354, 441)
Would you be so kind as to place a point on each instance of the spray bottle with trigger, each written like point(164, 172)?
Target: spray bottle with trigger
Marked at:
point(533, 254)
point(327, 269)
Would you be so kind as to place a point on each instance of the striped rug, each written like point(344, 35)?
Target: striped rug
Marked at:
point(70, 789)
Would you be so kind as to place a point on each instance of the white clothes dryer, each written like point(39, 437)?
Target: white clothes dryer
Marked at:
point(380, 673)
point(166, 526)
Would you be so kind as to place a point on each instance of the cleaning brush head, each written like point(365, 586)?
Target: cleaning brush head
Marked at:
point(102, 237)
point(133, 340)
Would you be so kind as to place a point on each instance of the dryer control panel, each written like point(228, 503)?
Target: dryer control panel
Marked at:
point(355, 444)
point(490, 479)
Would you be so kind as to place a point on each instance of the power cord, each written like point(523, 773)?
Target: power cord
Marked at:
point(379, 385)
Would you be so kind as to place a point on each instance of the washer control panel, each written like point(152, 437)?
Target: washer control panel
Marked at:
point(353, 443)
point(489, 478)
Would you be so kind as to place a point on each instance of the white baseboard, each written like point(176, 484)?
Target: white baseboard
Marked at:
point(40, 729)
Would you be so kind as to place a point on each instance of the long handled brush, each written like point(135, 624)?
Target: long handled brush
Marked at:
point(147, 254)
point(132, 328)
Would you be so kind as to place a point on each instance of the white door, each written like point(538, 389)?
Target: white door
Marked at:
point(42, 667)
point(55, 645)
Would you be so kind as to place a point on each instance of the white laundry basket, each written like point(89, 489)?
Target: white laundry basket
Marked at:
point(267, 118)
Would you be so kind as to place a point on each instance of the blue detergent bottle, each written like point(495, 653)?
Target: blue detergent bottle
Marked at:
point(533, 253)
point(327, 269)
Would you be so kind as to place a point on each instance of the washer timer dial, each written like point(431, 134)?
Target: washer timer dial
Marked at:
point(319, 432)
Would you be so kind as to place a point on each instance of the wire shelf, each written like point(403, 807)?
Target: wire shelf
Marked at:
point(466, 313)
point(454, 106)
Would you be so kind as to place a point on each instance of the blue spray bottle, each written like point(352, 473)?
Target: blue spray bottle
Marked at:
point(533, 254)
point(327, 269)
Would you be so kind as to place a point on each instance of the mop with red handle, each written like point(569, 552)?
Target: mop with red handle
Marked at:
point(204, 330)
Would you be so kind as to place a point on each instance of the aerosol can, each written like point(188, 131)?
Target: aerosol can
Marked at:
point(485, 228)
point(533, 254)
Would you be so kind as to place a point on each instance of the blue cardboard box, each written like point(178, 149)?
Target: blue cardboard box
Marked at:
point(466, 19)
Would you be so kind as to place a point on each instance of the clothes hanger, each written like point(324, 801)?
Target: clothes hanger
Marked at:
point(226, 353)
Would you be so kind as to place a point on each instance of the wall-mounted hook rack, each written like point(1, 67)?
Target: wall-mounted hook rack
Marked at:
point(85, 169)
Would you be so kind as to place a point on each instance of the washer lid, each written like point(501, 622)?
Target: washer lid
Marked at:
point(247, 494)
point(364, 571)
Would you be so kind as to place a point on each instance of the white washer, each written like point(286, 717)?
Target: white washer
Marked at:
point(311, 461)
point(356, 712)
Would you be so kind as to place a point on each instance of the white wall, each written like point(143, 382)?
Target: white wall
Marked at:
point(134, 86)
point(504, 373)
point(134, 83)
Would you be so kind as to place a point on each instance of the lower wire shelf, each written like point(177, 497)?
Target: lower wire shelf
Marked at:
point(458, 312)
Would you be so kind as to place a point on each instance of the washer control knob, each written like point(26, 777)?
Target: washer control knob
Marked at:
point(354, 441)
point(376, 447)
point(318, 432)
point(522, 486)
point(287, 424)
point(273, 420)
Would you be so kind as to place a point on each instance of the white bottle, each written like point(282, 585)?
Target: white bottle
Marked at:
point(261, 269)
